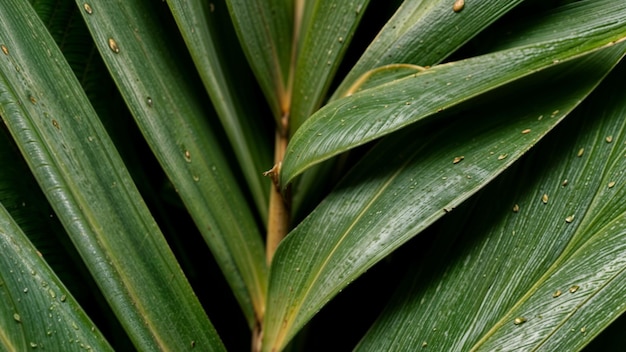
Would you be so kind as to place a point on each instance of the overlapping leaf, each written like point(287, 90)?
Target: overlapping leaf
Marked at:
point(424, 33)
point(173, 121)
point(230, 95)
point(375, 112)
point(407, 182)
point(85, 181)
point(28, 287)
point(548, 275)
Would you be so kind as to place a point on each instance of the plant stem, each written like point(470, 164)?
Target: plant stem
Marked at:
point(278, 222)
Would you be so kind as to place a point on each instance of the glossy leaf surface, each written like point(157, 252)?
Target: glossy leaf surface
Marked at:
point(544, 276)
point(84, 179)
point(425, 175)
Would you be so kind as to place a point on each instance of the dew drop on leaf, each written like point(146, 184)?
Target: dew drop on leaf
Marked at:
point(544, 199)
point(113, 46)
point(87, 8)
point(574, 288)
point(5, 50)
point(519, 321)
point(609, 139)
point(556, 294)
point(611, 184)
point(458, 5)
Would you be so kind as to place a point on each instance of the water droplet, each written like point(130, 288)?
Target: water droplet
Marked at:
point(574, 288)
point(556, 294)
point(526, 131)
point(519, 321)
point(569, 219)
point(55, 123)
point(17, 318)
point(565, 182)
point(63, 298)
point(458, 159)
point(33, 345)
point(544, 199)
point(87, 8)
point(515, 208)
point(502, 156)
point(611, 184)
point(187, 156)
point(581, 151)
point(25, 289)
point(149, 101)
point(609, 139)
point(340, 39)
point(424, 344)
point(5, 50)
point(458, 5)
point(196, 178)
point(113, 46)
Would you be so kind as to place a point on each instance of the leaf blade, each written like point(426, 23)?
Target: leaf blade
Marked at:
point(174, 124)
point(355, 120)
point(372, 211)
point(85, 181)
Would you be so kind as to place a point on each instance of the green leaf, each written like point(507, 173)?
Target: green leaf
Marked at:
point(267, 30)
point(327, 31)
point(375, 112)
point(78, 169)
point(558, 268)
point(420, 33)
point(173, 121)
point(200, 27)
point(408, 181)
point(28, 287)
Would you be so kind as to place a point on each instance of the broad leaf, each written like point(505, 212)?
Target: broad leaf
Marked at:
point(77, 167)
point(375, 112)
point(410, 180)
point(528, 272)
point(173, 121)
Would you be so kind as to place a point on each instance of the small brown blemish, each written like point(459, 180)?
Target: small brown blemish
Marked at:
point(526, 131)
point(458, 159)
point(113, 46)
point(544, 198)
point(32, 99)
point(556, 294)
point(574, 288)
point(458, 5)
point(55, 123)
point(87, 8)
point(5, 50)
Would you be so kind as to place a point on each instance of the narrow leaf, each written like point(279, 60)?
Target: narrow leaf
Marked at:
point(546, 276)
point(266, 33)
point(424, 33)
point(198, 23)
point(84, 179)
point(325, 37)
point(173, 121)
point(28, 287)
point(375, 112)
point(408, 181)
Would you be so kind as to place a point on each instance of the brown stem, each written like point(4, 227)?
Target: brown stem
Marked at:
point(278, 222)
